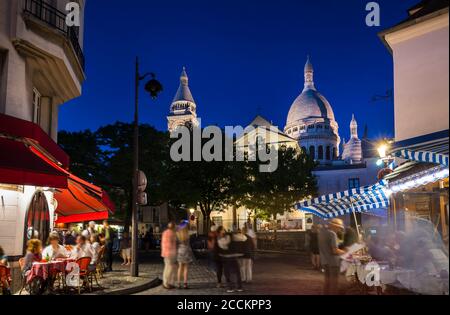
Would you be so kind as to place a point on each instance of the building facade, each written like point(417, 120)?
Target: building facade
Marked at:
point(41, 67)
point(420, 49)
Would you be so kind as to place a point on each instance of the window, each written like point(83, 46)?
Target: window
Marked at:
point(328, 154)
point(295, 129)
point(289, 131)
point(312, 152)
point(320, 153)
point(334, 154)
point(353, 183)
point(302, 127)
point(304, 150)
point(311, 127)
point(319, 127)
point(37, 219)
point(37, 99)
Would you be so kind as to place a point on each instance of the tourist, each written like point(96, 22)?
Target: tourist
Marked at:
point(314, 246)
point(69, 239)
point(330, 255)
point(125, 249)
point(213, 251)
point(109, 242)
point(96, 247)
point(229, 256)
point(184, 255)
point(169, 253)
point(91, 229)
point(34, 249)
point(246, 262)
point(351, 237)
point(82, 249)
point(54, 250)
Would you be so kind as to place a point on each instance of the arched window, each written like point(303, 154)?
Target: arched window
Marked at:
point(334, 154)
point(304, 150)
point(37, 219)
point(328, 154)
point(320, 153)
point(312, 152)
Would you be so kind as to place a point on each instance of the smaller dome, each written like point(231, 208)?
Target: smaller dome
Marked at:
point(183, 93)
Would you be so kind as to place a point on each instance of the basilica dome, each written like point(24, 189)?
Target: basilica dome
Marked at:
point(310, 103)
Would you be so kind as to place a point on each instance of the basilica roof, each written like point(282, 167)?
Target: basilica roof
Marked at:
point(183, 93)
point(310, 103)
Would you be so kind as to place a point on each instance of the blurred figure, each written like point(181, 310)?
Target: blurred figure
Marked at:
point(313, 246)
point(184, 255)
point(5, 279)
point(33, 254)
point(246, 262)
point(54, 250)
point(125, 249)
point(229, 255)
point(169, 253)
point(82, 249)
point(330, 255)
point(3, 258)
point(109, 242)
point(69, 239)
point(350, 238)
point(96, 247)
point(213, 252)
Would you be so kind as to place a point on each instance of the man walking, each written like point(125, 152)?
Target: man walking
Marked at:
point(109, 242)
point(169, 253)
point(330, 255)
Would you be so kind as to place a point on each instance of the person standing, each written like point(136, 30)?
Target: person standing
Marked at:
point(169, 253)
point(213, 251)
point(330, 255)
point(109, 242)
point(184, 255)
point(229, 254)
point(314, 246)
point(125, 249)
point(246, 262)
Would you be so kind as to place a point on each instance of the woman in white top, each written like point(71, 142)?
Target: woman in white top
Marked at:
point(83, 249)
point(95, 247)
point(54, 250)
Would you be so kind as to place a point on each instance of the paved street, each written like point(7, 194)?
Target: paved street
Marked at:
point(274, 273)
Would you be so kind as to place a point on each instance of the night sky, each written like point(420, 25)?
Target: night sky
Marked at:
point(243, 57)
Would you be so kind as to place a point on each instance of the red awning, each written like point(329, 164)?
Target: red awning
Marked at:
point(82, 201)
point(20, 165)
point(33, 135)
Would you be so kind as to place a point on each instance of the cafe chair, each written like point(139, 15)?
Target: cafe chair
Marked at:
point(84, 263)
point(24, 278)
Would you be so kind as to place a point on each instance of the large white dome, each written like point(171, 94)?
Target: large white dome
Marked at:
point(309, 104)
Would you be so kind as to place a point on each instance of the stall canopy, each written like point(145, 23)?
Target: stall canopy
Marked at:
point(430, 148)
point(362, 199)
point(24, 151)
point(82, 201)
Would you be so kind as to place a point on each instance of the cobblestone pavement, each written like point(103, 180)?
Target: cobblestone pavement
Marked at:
point(274, 273)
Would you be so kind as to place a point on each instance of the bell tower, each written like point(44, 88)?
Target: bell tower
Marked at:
point(183, 110)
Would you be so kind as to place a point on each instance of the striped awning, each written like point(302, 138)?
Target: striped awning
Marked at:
point(353, 200)
point(423, 156)
point(430, 148)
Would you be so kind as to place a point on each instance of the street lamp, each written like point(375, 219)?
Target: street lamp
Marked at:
point(154, 88)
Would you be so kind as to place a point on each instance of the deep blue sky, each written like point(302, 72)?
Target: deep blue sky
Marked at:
point(241, 55)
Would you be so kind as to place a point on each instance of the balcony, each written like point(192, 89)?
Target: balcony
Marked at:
point(56, 19)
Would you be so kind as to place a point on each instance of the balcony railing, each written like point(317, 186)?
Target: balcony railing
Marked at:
point(56, 19)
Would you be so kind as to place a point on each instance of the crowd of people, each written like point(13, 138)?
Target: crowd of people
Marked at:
point(231, 254)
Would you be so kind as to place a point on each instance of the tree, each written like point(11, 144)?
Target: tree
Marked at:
point(276, 193)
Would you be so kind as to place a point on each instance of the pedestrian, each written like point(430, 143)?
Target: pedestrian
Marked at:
point(169, 253)
point(351, 237)
point(246, 262)
point(125, 249)
point(228, 252)
point(213, 252)
point(314, 246)
point(330, 255)
point(69, 239)
point(109, 242)
point(184, 255)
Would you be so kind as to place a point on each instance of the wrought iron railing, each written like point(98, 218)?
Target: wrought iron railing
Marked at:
point(56, 19)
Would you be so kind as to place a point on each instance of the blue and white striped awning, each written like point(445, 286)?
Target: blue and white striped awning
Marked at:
point(423, 156)
point(429, 148)
point(353, 200)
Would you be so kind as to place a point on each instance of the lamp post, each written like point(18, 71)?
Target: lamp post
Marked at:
point(154, 88)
